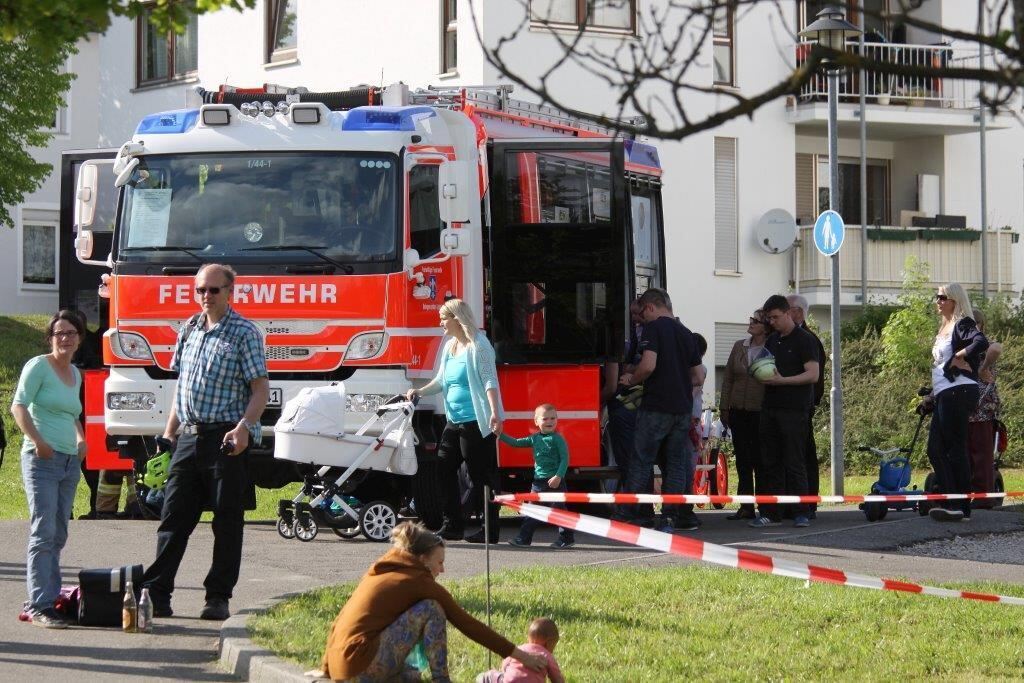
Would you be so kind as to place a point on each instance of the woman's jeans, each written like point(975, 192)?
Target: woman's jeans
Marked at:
point(947, 441)
point(746, 442)
point(50, 488)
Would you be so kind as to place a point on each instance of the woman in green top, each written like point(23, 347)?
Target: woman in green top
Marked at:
point(46, 407)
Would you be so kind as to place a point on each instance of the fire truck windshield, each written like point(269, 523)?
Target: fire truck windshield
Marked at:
point(257, 208)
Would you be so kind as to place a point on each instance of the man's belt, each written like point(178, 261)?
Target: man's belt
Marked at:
point(205, 427)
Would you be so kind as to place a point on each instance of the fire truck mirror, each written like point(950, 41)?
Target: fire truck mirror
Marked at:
point(411, 259)
point(85, 195)
point(83, 245)
point(456, 196)
point(455, 242)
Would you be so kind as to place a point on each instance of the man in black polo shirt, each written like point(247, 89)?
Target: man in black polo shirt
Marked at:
point(785, 412)
point(798, 312)
point(669, 368)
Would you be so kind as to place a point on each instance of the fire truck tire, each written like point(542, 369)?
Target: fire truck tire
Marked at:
point(426, 491)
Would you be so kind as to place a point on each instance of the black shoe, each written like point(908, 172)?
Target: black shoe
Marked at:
point(451, 534)
point(479, 537)
point(216, 609)
point(688, 522)
point(564, 543)
point(742, 514)
point(520, 543)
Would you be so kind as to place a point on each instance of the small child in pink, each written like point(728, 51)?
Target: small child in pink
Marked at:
point(542, 637)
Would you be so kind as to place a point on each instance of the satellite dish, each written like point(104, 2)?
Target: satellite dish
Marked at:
point(776, 231)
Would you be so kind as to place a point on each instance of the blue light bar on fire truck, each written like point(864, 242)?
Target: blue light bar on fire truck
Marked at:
point(386, 118)
point(178, 121)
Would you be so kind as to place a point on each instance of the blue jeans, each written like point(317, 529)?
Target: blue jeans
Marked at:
point(50, 488)
point(530, 524)
point(668, 435)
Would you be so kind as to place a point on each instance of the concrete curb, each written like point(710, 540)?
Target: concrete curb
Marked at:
point(249, 661)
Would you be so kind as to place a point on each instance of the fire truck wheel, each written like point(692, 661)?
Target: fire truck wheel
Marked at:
point(377, 519)
point(426, 491)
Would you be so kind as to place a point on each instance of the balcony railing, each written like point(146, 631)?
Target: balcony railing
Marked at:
point(886, 89)
point(952, 255)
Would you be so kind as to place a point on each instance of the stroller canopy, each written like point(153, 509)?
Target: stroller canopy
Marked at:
point(318, 411)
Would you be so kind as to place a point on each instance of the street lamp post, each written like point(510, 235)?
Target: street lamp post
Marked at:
point(831, 30)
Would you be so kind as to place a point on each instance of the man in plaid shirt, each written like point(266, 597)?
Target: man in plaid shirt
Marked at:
point(222, 390)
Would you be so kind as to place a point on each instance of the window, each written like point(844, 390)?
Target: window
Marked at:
point(723, 31)
point(849, 190)
point(581, 14)
point(425, 222)
point(39, 255)
point(449, 36)
point(282, 32)
point(165, 57)
point(726, 207)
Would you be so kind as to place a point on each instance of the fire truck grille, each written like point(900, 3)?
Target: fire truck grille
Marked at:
point(287, 352)
point(291, 326)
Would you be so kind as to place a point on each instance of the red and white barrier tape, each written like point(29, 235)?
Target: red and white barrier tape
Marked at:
point(679, 499)
point(693, 548)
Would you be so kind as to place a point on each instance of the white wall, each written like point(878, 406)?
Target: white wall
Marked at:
point(81, 125)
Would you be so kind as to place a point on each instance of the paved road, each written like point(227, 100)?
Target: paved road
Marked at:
point(185, 648)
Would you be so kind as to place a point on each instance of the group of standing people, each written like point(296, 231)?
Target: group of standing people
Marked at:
point(771, 419)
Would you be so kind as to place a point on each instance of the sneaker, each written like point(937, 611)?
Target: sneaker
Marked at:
point(519, 543)
point(563, 544)
point(162, 610)
point(801, 522)
point(688, 523)
point(944, 515)
point(48, 618)
point(216, 609)
point(762, 522)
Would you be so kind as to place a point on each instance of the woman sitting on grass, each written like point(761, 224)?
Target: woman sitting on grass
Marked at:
point(398, 603)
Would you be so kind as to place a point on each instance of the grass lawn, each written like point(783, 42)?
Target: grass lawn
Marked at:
point(693, 622)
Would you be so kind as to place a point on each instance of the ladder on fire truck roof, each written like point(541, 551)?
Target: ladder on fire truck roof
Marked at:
point(496, 98)
point(482, 97)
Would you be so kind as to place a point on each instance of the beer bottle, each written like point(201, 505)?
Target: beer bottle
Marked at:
point(145, 620)
point(129, 610)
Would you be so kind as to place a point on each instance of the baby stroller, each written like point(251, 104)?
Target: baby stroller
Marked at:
point(311, 430)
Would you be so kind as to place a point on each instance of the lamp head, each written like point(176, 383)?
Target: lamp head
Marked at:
point(831, 29)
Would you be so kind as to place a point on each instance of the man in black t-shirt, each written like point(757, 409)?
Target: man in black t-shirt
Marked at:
point(785, 412)
point(669, 367)
point(798, 312)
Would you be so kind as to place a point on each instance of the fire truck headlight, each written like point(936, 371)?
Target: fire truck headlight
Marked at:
point(364, 403)
point(134, 346)
point(131, 400)
point(366, 345)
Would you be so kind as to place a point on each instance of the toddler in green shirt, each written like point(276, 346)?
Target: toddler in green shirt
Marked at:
point(550, 462)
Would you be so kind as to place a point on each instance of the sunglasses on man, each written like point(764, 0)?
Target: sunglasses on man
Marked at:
point(201, 291)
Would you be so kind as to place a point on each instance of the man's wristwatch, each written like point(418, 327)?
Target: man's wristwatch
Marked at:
point(248, 425)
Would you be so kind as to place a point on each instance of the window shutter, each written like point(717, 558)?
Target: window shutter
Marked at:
point(726, 335)
point(805, 213)
point(726, 220)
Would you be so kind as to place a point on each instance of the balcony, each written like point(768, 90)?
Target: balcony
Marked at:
point(953, 256)
point(898, 106)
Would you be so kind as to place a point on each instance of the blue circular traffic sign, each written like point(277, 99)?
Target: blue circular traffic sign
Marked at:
point(829, 232)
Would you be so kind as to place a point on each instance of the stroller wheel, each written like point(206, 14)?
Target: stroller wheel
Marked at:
point(875, 512)
point(285, 527)
point(348, 533)
point(305, 527)
point(377, 519)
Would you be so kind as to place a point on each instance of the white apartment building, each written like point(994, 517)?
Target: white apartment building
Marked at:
point(923, 146)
